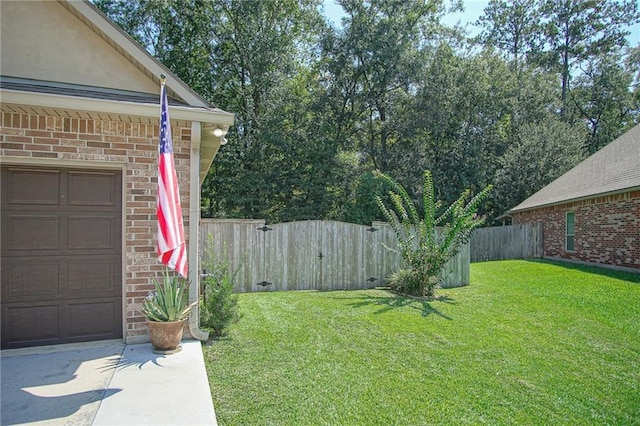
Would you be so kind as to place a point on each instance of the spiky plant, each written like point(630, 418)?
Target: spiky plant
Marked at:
point(169, 302)
point(425, 250)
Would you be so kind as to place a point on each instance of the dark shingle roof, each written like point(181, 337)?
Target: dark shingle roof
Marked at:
point(91, 92)
point(614, 168)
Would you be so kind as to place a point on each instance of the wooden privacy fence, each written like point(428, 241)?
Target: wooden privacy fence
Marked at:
point(507, 242)
point(310, 255)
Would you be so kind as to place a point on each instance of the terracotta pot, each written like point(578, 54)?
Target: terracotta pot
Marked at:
point(165, 336)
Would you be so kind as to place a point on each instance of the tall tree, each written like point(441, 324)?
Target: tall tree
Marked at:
point(543, 151)
point(632, 64)
point(374, 61)
point(602, 98)
point(577, 30)
point(458, 125)
point(318, 108)
point(254, 58)
point(512, 28)
point(261, 51)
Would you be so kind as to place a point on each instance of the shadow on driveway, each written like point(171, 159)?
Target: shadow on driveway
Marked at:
point(57, 387)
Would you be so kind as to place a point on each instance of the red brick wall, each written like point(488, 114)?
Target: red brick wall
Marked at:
point(74, 140)
point(607, 229)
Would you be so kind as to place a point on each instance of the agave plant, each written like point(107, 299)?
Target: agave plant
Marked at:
point(169, 302)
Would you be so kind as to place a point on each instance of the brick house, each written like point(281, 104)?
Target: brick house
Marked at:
point(78, 157)
point(592, 212)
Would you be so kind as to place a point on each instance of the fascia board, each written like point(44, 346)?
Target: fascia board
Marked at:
point(74, 103)
point(574, 200)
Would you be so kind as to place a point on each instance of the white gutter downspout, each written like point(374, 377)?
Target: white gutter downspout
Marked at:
point(194, 231)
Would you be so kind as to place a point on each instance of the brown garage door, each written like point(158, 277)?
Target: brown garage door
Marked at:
point(61, 260)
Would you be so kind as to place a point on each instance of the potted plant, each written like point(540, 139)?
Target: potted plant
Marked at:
point(166, 311)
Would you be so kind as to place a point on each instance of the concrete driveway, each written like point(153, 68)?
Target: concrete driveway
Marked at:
point(105, 383)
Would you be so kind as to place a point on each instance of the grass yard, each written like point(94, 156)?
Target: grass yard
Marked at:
point(528, 342)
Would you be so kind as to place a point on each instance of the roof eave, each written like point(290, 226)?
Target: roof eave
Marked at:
point(74, 103)
point(574, 200)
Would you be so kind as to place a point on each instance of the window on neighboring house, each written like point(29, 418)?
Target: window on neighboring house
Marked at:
point(570, 235)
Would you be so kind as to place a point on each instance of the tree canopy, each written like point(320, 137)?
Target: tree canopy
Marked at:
point(320, 106)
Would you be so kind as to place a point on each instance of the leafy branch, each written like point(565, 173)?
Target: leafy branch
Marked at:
point(427, 244)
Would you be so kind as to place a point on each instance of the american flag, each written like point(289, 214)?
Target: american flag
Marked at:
point(172, 249)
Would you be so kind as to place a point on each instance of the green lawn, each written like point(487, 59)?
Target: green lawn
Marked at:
point(527, 342)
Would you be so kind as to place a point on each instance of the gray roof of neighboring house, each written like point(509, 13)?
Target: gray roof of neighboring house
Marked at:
point(614, 168)
point(56, 88)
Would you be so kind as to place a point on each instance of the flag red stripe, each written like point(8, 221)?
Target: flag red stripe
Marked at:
point(172, 249)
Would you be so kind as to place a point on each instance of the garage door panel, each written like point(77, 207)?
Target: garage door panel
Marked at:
point(30, 325)
point(31, 232)
point(93, 189)
point(93, 319)
point(61, 277)
point(92, 232)
point(94, 275)
point(30, 279)
point(61, 257)
point(33, 186)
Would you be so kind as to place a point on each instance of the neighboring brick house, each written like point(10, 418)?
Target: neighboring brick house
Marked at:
point(592, 212)
point(78, 158)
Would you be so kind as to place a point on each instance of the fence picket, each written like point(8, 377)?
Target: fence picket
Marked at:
point(522, 241)
point(288, 255)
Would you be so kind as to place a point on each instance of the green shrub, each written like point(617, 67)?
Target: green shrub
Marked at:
point(423, 250)
point(405, 281)
point(219, 304)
